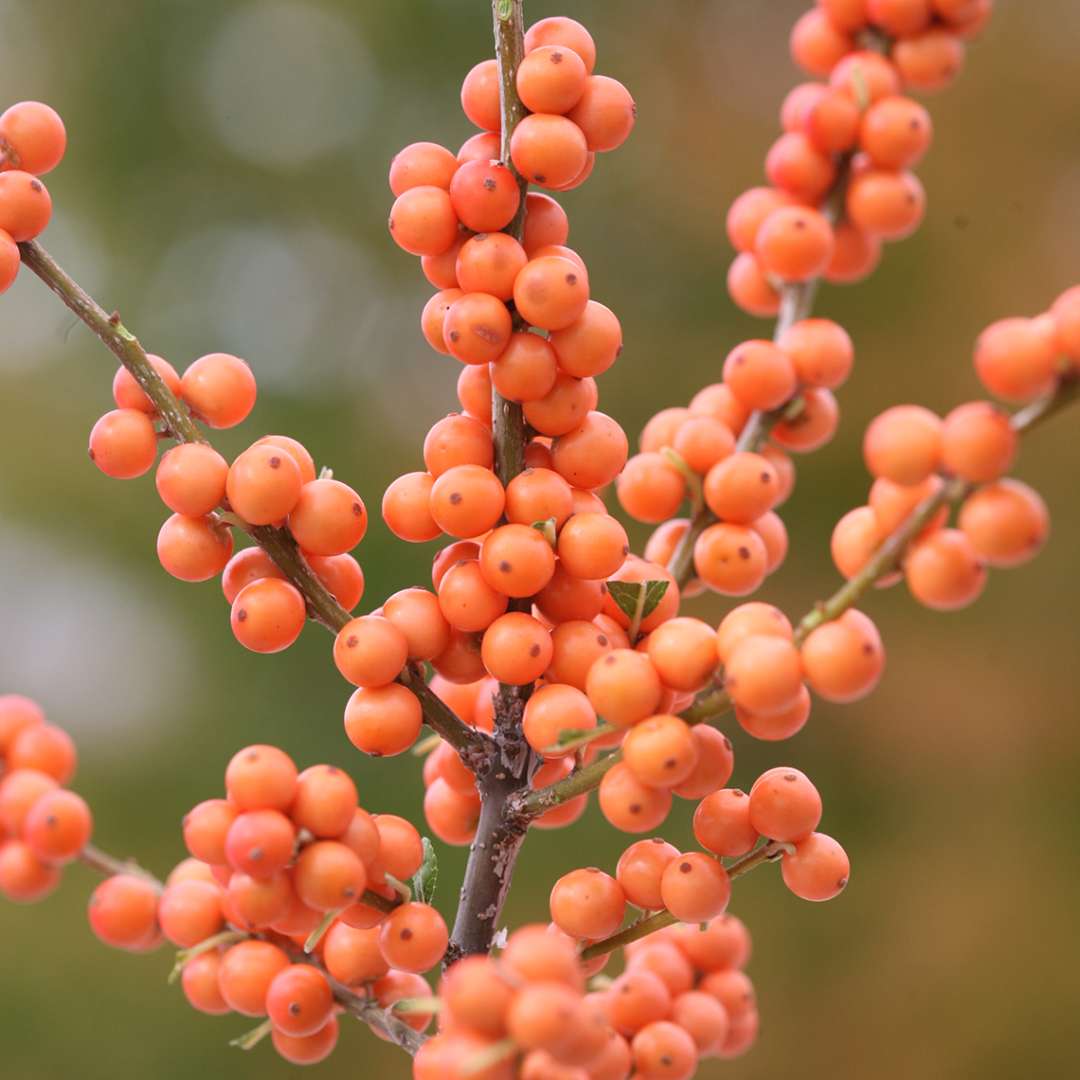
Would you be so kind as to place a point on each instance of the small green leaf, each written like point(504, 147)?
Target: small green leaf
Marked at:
point(424, 880)
point(628, 596)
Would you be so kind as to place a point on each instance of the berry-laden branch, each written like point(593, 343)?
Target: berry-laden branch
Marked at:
point(712, 704)
point(278, 543)
point(499, 832)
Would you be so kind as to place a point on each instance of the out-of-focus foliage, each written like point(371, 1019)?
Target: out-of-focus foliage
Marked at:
point(225, 189)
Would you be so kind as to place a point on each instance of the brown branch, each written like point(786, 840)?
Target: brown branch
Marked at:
point(277, 543)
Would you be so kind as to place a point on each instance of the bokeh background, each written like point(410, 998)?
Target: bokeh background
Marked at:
point(225, 189)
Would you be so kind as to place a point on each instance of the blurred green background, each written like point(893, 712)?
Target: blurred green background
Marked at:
point(225, 188)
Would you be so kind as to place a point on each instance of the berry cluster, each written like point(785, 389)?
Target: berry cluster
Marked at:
point(917, 458)
point(528, 1013)
point(43, 825)
point(32, 142)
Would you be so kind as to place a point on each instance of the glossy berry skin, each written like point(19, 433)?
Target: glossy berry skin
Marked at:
point(32, 137)
point(299, 1001)
point(818, 869)
point(588, 904)
point(784, 805)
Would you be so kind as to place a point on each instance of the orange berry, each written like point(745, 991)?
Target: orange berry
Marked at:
point(750, 288)
point(843, 659)
point(128, 394)
point(730, 559)
point(818, 869)
point(268, 615)
point(820, 350)
point(526, 370)
point(516, 649)
point(370, 651)
point(191, 479)
point(452, 815)
point(1007, 522)
point(796, 166)
point(817, 43)
point(560, 30)
point(605, 113)
point(590, 344)
point(246, 972)
point(538, 494)
point(220, 389)
point(588, 904)
point(715, 762)
point(628, 804)
point(759, 374)
point(640, 869)
point(57, 827)
point(1015, 359)
point(199, 981)
point(457, 440)
point(893, 503)
point(623, 687)
point(929, 61)
point(763, 674)
point(550, 711)
point(517, 560)
point(32, 137)
point(17, 713)
point(660, 751)
point(480, 95)
point(592, 454)
point(550, 291)
point(812, 426)
point(563, 407)
point(886, 204)
point(903, 444)
point(895, 133)
point(576, 646)
point(683, 651)
point(422, 164)
point(423, 220)
point(467, 500)
point(25, 205)
point(260, 778)
point(326, 801)
point(944, 571)
point(695, 887)
point(865, 74)
point(476, 328)
point(784, 804)
point(123, 443)
point(855, 255)
point(722, 823)
point(794, 243)
point(406, 508)
point(413, 938)
point(484, 195)
point(264, 484)
point(329, 518)
point(190, 912)
point(650, 488)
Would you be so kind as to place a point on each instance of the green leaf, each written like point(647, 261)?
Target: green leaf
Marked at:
point(628, 596)
point(424, 880)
